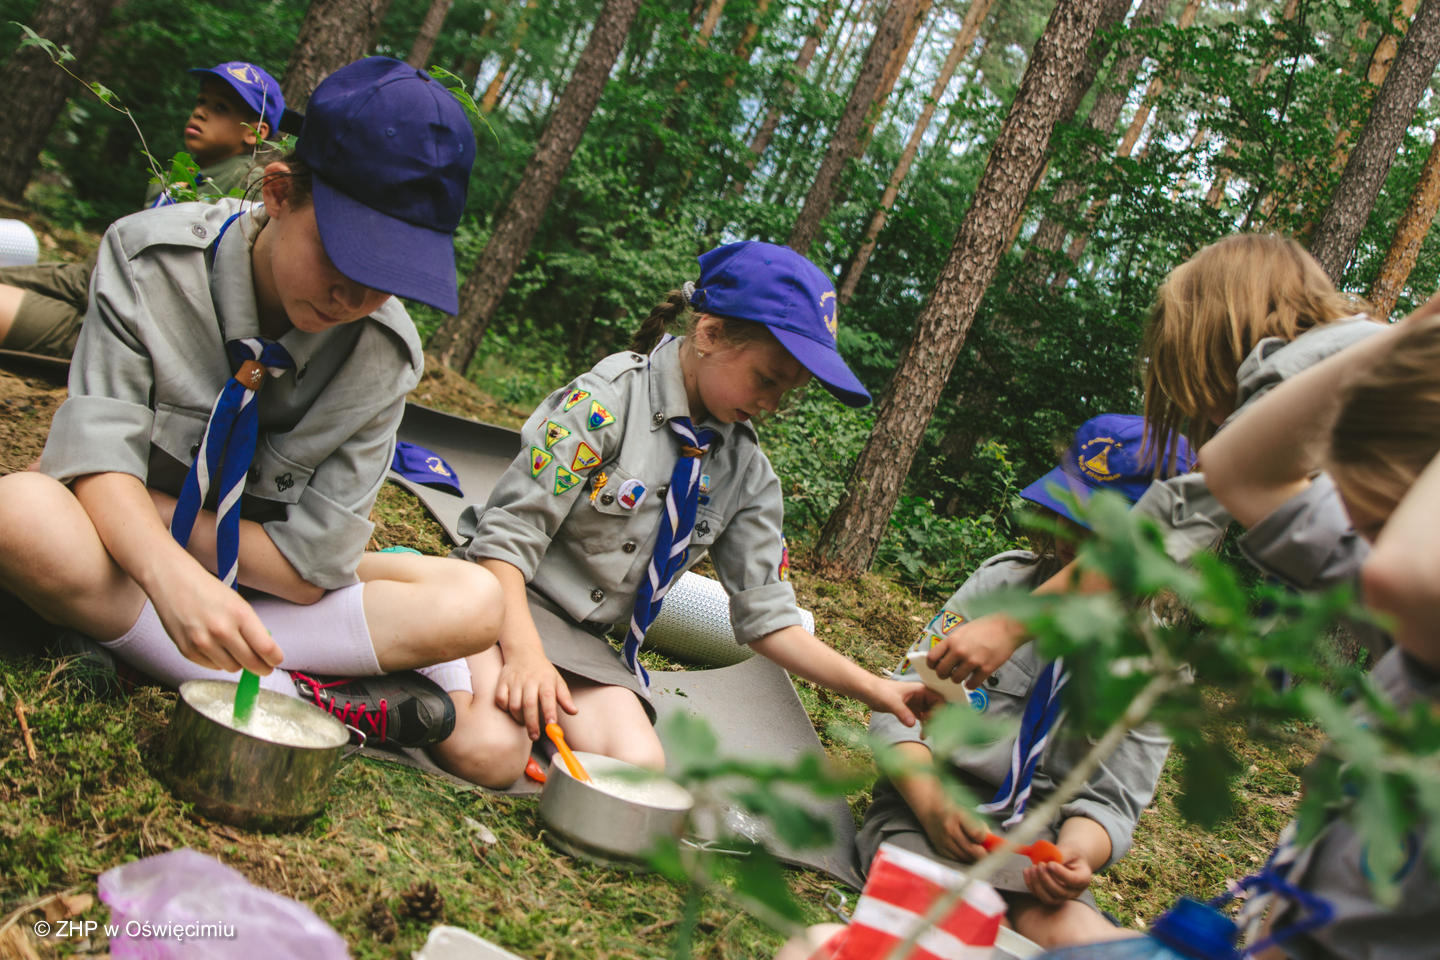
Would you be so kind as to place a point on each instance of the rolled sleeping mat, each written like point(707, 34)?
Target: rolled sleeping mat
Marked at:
point(18, 246)
point(694, 624)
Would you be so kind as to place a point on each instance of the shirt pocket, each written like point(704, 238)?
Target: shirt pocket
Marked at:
point(275, 477)
point(625, 510)
point(177, 431)
point(1009, 686)
point(709, 524)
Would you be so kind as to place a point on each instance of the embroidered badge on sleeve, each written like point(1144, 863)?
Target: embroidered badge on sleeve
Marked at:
point(574, 397)
point(554, 433)
point(585, 458)
point(564, 479)
point(539, 460)
point(599, 417)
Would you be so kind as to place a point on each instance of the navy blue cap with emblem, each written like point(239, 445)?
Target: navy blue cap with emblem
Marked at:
point(770, 284)
point(1106, 454)
point(419, 465)
point(253, 85)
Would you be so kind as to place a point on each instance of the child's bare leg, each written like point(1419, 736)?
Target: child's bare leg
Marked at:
point(424, 610)
point(1063, 924)
point(52, 558)
point(9, 306)
point(488, 747)
point(611, 722)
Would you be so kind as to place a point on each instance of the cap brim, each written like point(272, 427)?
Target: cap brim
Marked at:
point(1039, 493)
point(826, 365)
point(384, 253)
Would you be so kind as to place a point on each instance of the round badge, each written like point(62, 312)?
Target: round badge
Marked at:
point(979, 699)
point(631, 492)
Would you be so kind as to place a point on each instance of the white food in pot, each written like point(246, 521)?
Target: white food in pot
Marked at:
point(653, 792)
point(218, 704)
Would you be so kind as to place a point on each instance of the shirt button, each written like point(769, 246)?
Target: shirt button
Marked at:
point(597, 595)
point(300, 374)
point(991, 680)
point(636, 357)
point(199, 230)
point(607, 498)
point(658, 419)
point(195, 449)
point(628, 546)
point(663, 489)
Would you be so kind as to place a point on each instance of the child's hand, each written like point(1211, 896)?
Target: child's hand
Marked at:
point(529, 689)
point(954, 832)
point(210, 623)
point(1055, 883)
point(909, 701)
point(976, 649)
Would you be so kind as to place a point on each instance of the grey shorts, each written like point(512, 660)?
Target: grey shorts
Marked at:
point(582, 649)
point(52, 307)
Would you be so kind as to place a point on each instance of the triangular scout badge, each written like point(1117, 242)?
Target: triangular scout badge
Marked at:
point(539, 460)
point(599, 417)
point(574, 397)
point(564, 479)
point(554, 433)
point(585, 458)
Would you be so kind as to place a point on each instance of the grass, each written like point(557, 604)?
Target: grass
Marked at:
point(91, 798)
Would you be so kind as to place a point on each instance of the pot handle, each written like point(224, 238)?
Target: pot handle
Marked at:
point(355, 746)
point(836, 902)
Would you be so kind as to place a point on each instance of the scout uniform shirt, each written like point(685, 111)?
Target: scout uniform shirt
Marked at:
point(578, 511)
point(1115, 794)
point(1189, 516)
point(151, 360)
point(218, 179)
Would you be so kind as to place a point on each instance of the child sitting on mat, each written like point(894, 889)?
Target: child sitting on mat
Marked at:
point(626, 477)
point(288, 311)
point(1050, 903)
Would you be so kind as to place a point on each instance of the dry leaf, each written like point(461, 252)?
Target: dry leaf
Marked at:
point(15, 945)
point(486, 835)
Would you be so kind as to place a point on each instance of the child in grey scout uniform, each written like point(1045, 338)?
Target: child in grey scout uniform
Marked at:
point(238, 106)
point(1242, 315)
point(629, 475)
point(1370, 418)
point(1050, 902)
point(364, 209)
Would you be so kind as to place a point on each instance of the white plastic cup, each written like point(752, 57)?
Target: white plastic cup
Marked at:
point(18, 246)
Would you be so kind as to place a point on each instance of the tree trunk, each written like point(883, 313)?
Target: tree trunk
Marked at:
point(964, 41)
point(844, 35)
point(1103, 115)
point(1374, 151)
point(1409, 233)
point(458, 337)
point(492, 92)
point(333, 33)
point(892, 73)
point(33, 89)
point(428, 33)
point(851, 535)
point(845, 141)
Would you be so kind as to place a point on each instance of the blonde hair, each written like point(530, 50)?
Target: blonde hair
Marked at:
point(1209, 314)
point(1388, 428)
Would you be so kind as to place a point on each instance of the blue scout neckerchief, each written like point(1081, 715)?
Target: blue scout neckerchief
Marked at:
point(1042, 709)
point(228, 446)
point(676, 525)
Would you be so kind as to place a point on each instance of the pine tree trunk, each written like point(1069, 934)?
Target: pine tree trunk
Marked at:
point(497, 82)
point(1104, 113)
point(1409, 234)
point(33, 89)
point(964, 41)
point(845, 141)
point(333, 33)
point(458, 337)
point(844, 34)
point(851, 535)
point(428, 33)
point(892, 73)
point(1374, 151)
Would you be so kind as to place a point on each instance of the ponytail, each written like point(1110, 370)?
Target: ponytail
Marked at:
point(661, 318)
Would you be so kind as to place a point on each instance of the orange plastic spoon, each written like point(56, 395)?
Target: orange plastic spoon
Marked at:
point(1041, 851)
point(572, 763)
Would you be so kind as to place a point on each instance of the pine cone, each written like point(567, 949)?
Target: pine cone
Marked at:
point(422, 902)
point(382, 922)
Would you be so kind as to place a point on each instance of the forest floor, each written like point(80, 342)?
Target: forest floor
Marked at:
point(90, 798)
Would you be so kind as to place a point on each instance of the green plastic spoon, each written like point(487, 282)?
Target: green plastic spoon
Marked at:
point(245, 694)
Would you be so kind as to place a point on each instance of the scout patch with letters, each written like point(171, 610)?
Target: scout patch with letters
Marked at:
point(539, 460)
point(564, 479)
point(1095, 463)
point(599, 417)
point(554, 433)
point(585, 458)
point(632, 491)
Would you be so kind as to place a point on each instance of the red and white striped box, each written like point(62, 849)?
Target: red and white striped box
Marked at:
point(901, 887)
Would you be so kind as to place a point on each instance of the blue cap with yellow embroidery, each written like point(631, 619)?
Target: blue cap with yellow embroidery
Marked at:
point(1105, 455)
point(774, 285)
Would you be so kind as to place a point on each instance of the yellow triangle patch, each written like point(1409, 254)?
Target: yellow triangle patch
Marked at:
point(599, 417)
point(554, 433)
point(539, 460)
point(574, 397)
point(564, 479)
point(585, 458)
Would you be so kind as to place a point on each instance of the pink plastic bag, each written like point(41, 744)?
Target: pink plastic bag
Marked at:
point(187, 904)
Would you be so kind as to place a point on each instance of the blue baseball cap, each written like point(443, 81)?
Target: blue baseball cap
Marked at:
point(419, 465)
point(774, 285)
point(1106, 454)
point(256, 87)
point(391, 151)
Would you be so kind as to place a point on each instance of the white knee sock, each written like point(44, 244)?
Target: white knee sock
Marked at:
point(327, 637)
point(450, 675)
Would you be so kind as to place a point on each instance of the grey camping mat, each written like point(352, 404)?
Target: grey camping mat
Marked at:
point(777, 728)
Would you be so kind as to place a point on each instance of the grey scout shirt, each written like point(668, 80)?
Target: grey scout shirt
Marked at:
point(151, 360)
point(1114, 796)
point(587, 553)
point(1189, 516)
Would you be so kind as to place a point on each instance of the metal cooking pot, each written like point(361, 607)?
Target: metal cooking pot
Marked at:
point(242, 778)
point(594, 821)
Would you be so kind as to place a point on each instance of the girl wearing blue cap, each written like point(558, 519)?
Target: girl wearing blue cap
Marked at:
point(629, 475)
point(1049, 903)
point(157, 497)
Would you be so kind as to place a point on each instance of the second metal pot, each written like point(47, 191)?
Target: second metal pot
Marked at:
point(595, 820)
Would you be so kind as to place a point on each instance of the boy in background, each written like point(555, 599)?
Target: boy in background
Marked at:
point(238, 106)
